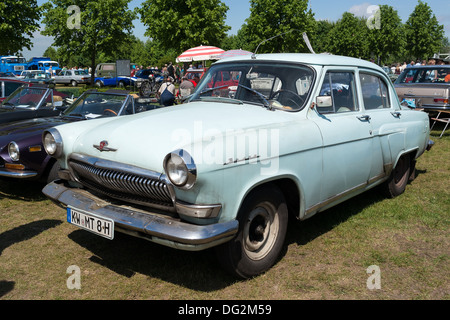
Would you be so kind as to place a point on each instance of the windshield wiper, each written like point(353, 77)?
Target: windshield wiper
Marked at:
point(73, 115)
point(211, 89)
point(259, 94)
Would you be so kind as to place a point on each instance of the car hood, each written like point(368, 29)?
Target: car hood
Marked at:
point(145, 139)
point(23, 129)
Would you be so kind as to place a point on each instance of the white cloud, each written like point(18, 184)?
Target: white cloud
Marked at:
point(360, 10)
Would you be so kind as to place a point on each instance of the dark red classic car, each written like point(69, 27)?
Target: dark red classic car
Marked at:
point(8, 85)
point(21, 152)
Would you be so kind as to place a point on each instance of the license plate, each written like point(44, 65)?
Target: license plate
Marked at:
point(91, 222)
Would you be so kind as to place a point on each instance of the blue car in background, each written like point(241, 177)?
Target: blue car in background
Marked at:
point(114, 81)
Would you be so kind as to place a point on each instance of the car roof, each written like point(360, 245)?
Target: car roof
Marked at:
point(12, 80)
point(446, 66)
point(307, 58)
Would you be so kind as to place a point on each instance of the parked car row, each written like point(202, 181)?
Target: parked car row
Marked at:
point(22, 154)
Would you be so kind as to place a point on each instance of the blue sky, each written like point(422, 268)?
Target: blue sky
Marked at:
point(332, 10)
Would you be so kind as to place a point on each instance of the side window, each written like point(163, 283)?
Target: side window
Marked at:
point(341, 87)
point(10, 87)
point(375, 92)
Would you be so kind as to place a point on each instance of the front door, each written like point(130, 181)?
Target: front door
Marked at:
point(346, 134)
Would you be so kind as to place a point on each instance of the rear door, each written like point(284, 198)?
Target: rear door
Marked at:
point(389, 139)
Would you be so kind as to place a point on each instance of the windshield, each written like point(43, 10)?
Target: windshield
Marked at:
point(27, 97)
point(273, 85)
point(425, 75)
point(96, 104)
point(15, 60)
point(41, 75)
point(51, 64)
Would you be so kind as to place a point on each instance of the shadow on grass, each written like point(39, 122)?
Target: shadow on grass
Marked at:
point(437, 131)
point(126, 255)
point(16, 189)
point(16, 235)
point(25, 232)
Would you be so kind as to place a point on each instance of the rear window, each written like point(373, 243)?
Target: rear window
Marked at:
point(424, 75)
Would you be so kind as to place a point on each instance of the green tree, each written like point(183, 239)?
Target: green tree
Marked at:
point(387, 38)
point(96, 27)
point(349, 37)
point(271, 18)
point(18, 21)
point(424, 34)
point(51, 53)
point(183, 24)
point(321, 39)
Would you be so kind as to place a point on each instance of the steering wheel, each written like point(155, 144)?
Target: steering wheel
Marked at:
point(109, 110)
point(296, 100)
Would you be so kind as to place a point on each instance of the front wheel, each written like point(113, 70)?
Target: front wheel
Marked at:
point(262, 229)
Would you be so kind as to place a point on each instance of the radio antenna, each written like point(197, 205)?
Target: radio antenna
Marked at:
point(305, 38)
point(308, 44)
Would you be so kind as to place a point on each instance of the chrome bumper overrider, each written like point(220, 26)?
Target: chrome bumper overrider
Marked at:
point(152, 226)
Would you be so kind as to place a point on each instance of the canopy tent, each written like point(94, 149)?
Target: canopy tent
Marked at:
point(200, 53)
point(234, 53)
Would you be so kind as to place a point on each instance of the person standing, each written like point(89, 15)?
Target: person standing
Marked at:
point(167, 92)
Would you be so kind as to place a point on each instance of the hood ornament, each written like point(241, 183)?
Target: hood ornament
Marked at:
point(103, 146)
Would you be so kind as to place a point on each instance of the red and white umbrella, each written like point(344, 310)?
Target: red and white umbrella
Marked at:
point(234, 53)
point(200, 53)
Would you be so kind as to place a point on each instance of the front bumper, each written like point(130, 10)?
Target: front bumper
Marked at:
point(144, 224)
point(18, 174)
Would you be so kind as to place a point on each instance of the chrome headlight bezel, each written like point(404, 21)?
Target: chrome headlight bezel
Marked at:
point(180, 169)
point(52, 142)
point(14, 151)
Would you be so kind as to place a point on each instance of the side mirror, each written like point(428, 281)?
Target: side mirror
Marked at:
point(324, 102)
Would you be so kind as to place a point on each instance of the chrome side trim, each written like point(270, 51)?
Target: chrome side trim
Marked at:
point(334, 198)
point(147, 224)
point(376, 178)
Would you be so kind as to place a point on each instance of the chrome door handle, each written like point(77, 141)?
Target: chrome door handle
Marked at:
point(364, 117)
point(396, 114)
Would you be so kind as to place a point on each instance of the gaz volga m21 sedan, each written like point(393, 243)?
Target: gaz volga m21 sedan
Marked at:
point(287, 134)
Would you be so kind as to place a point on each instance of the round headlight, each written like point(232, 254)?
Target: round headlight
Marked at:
point(180, 169)
point(52, 142)
point(13, 150)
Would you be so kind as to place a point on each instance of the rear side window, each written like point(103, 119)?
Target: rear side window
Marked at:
point(375, 92)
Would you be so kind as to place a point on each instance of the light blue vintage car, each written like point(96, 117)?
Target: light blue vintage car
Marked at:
point(277, 135)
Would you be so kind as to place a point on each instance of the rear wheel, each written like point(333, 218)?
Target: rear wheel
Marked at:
point(262, 229)
point(145, 89)
point(399, 178)
point(73, 83)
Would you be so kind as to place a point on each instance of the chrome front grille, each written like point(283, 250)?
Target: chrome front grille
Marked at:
point(124, 185)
